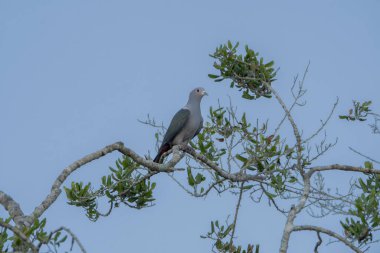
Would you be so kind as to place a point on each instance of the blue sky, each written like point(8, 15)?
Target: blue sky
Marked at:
point(76, 75)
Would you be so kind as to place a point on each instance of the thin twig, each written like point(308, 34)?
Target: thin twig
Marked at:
point(327, 232)
point(318, 243)
point(236, 214)
point(367, 157)
point(323, 123)
point(73, 236)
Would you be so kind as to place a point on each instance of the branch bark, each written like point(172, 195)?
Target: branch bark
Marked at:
point(293, 213)
point(234, 177)
point(343, 168)
point(236, 214)
point(327, 232)
point(13, 208)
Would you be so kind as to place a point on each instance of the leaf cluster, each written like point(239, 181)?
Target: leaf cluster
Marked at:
point(258, 151)
point(360, 111)
point(126, 185)
point(220, 234)
point(365, 212)
point(37, 235)
point(4, 236)
point(248, 72)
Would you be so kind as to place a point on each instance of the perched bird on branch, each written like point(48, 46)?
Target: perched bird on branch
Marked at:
point(185, 125)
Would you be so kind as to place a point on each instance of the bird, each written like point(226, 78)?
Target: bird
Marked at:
point(185, 125)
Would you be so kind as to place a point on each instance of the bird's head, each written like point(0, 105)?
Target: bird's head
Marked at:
point(198, 93)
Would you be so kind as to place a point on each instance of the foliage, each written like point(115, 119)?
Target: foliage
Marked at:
point(125, 185)
point(4, 237)
point(37, 234)
point(221, 235)
point(365, 210)
point(359, 112)
point(247, 72)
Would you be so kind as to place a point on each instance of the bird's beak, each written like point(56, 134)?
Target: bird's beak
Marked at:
point(204, 93)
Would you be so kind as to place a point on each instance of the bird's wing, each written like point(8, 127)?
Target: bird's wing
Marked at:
point(176, 125)
point(199, 128)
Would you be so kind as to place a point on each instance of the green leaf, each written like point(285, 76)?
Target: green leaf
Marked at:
point(241, 158)
point(247, 187)
point(199, 178)
point(190, 177)
point(229, 44)
point(368, 165)
point(363, 185)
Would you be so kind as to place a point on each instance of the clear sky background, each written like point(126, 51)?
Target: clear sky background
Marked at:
point(77, 75)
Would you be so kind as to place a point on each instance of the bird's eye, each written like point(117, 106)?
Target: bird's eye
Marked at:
point(197, 90)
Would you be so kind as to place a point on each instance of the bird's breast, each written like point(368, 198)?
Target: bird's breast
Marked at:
point(188, 132)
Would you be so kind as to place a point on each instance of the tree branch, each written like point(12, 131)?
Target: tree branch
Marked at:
point(236, 214)
point(323, 123)
point(294, 210)
point(234, 177)
point(318, 243)
point(328, 232)
point(292, 122)
point(289, 227)
point(55, 189)
point(119, 146)
point(301, 92)
point(367, 157)
point(12, 207)
point(343, 168)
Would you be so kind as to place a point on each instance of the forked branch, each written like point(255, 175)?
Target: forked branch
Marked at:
point(327, 232)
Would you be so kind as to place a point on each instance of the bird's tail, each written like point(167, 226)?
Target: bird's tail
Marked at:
point(158, 157)
point(161, 151)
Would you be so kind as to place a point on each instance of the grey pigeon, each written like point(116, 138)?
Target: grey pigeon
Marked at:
point(185, 125)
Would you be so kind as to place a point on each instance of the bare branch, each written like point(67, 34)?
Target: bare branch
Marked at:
point(318, 243)
point(367, 157)
point(327, 232)
point(301, 92)
point(236, 213)
point(293, 213)
point(323, 123)
point(343, 168)
point(321, 149)
point(12, 207)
